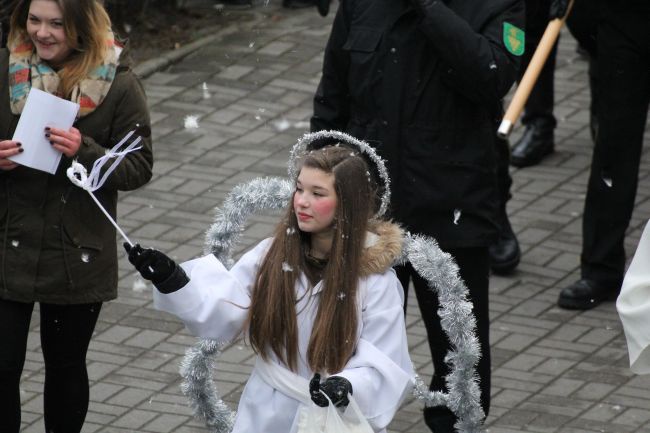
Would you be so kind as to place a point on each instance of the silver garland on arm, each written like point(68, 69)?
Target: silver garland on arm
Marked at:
point(197, 365)
point(437, 267)
point(457, 320)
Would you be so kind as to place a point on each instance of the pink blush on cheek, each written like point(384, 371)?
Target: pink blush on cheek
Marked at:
point(325, 208)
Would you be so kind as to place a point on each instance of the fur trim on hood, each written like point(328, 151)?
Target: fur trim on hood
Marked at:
point(383, 246)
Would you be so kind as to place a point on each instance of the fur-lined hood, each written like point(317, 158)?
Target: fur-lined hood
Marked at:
point(383, 246)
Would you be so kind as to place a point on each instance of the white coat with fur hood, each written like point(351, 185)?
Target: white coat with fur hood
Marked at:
point(214, 303)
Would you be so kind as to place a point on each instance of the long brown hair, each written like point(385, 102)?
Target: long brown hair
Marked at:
point(272, 316)
point(86, 25)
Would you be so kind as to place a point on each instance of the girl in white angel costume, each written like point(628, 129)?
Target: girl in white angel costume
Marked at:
point(319, 301)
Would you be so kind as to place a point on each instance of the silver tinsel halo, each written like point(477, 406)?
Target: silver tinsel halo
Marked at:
point(436, 266)
point(300, 148)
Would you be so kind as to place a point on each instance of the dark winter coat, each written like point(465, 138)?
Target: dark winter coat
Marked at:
point(56, 245)
point(6, 8)
point(425, 87)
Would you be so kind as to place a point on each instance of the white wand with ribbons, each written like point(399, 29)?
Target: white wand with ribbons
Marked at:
point(91, 182)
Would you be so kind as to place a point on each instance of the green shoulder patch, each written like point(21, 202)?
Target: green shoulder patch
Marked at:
point(514, 39)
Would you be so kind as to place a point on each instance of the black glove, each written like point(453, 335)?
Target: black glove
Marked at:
point(156, 267)
point(558, 9)
point(337, 389)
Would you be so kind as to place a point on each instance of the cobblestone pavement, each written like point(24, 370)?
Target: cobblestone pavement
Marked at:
point(554, 370)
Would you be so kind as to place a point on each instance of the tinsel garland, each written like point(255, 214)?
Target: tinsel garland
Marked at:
point(436, 266)
point(245, 199)
point(302, 145)
point(441, 273)
point(199, 387)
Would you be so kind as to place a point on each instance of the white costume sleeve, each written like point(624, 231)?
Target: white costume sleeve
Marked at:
point(214, 304)
point(633, 305)
point(380, 371)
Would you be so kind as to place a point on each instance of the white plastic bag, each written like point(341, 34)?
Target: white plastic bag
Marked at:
point(315, 419)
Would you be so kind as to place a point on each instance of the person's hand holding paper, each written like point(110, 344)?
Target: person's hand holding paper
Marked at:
point(9, 148)
point(43, 110)
point(65, 141)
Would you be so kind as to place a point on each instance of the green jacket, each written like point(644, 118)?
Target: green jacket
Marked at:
point(56, 245)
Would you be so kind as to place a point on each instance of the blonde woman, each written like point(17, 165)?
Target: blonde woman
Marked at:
point(56, 248)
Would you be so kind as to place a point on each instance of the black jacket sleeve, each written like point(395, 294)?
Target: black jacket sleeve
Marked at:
point(476, 61)
point(332, 98)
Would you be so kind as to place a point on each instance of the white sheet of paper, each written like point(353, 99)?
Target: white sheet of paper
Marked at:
point(42, 109)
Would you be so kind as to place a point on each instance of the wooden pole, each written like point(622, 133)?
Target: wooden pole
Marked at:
point(529, 79)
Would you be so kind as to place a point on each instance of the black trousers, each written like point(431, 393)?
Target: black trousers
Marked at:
point(539, 107)
point(504, 179)
point(65, 334)
point(474, 269)
point(582, 22)
point(623, 86)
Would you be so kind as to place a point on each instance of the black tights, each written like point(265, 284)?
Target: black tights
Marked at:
point(65, 334)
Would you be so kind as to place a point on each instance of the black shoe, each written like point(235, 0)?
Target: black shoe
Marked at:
point(323, 7)
point(297, 4)
point(440, 419)
point(534, 145)
point(505, 253)
point(584, 295)
point(237, 4)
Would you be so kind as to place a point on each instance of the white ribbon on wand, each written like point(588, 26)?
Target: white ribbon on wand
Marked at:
point(79, 176)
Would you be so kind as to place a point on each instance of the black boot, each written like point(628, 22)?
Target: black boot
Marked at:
point(505, 253)
point(534, 145)
point(440, 419)
point(586, 294)
point(297, 4)
point(323, 7)
point(238, 4)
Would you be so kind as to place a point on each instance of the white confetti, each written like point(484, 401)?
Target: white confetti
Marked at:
point(608, 181)
point(15, 243)
point(251, 45)
point(191, 122)
point(139, 285)
point(85, 257)
point(341, 296)
point(286, 267)
point(281, 125)
point(457, 214)
point(290, 230)
point(206, 91)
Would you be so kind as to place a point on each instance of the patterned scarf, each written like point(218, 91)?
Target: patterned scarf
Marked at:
point(27, 70)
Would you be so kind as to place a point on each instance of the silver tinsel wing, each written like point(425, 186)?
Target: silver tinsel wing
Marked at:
point(197, 366)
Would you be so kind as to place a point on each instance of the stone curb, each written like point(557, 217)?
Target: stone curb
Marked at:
point(149, 67)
